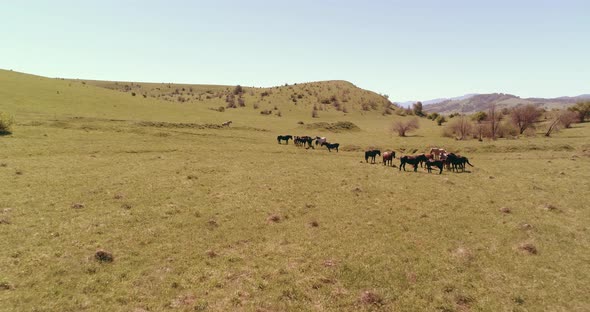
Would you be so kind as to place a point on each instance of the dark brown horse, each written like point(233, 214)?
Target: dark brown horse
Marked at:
point(434, 163)
point(372, 154)
point(284, 138)
point(412, 160)
point(388, 158)
point(331, 146)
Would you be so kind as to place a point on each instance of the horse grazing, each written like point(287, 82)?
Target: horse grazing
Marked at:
point(435, 163)
point(412, 160)
point(320, 141)
point(331, 146)
point(284, 138)
point(372, 154)
point(226, 124)
point(388, 158)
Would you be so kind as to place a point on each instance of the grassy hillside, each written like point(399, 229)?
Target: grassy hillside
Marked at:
point(328, 96)
point(203, 218)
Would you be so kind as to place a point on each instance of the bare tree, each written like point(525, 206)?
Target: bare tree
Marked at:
point(567, 118)
point(460, 127)
point(524, 117)
point(494, 119)
point(554, 123)
point(401, 127)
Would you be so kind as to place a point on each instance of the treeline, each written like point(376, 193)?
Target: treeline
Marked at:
point(511, 122)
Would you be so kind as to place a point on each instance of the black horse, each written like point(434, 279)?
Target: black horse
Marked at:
point(372, 154)
point(302, 141)
point(331, 146)
point(412, 160)
point(434, 163)
point(284, 138)
point(457, 162)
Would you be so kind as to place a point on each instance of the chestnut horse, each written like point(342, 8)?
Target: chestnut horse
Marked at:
point(388, 158)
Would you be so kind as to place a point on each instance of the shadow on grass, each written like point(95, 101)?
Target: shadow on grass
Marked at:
point(3, 133)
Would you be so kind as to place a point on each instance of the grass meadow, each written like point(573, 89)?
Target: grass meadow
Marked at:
point(208, 219)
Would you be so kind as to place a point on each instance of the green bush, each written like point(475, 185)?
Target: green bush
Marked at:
point(6, 122)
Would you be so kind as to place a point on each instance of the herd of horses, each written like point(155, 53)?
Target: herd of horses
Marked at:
point(307, 141)
point(437, 158)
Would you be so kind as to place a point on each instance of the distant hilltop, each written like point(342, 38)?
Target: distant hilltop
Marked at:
point(472, 103)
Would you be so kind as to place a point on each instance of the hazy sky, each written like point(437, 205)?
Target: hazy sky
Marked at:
point(410, 50)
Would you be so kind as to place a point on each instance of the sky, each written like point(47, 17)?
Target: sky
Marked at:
point(409, 50)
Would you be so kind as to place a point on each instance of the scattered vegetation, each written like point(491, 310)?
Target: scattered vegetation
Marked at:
point(582, 109)
point(333, 127)
point(402, 127)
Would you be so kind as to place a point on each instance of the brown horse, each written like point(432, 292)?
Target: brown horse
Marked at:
point(388, 158)
point(412, 160)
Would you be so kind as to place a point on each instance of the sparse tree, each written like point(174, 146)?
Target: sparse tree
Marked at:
point(582, 109)
point(479, 117)
point(401, 127)
point(417, 109)
point(524, 117)
point(440, 120)
point(433, 116)
point(238, 90)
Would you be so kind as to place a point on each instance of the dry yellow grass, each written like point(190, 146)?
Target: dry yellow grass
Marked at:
point(185, 211)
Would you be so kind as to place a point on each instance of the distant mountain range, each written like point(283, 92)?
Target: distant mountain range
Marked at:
point(471, 103)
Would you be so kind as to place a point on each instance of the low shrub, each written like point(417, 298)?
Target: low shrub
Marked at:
point(6, 122)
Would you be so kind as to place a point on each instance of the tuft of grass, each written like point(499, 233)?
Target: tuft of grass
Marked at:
point(528, 248)
point(103, 256)
point(371, 298)
point(77, 205)
point(274, 218)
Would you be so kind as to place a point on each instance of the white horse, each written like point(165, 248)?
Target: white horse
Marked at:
point(436, 152)
point(226, 124)
point(320, 140)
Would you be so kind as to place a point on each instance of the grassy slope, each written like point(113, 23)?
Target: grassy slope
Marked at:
point(420, 241)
